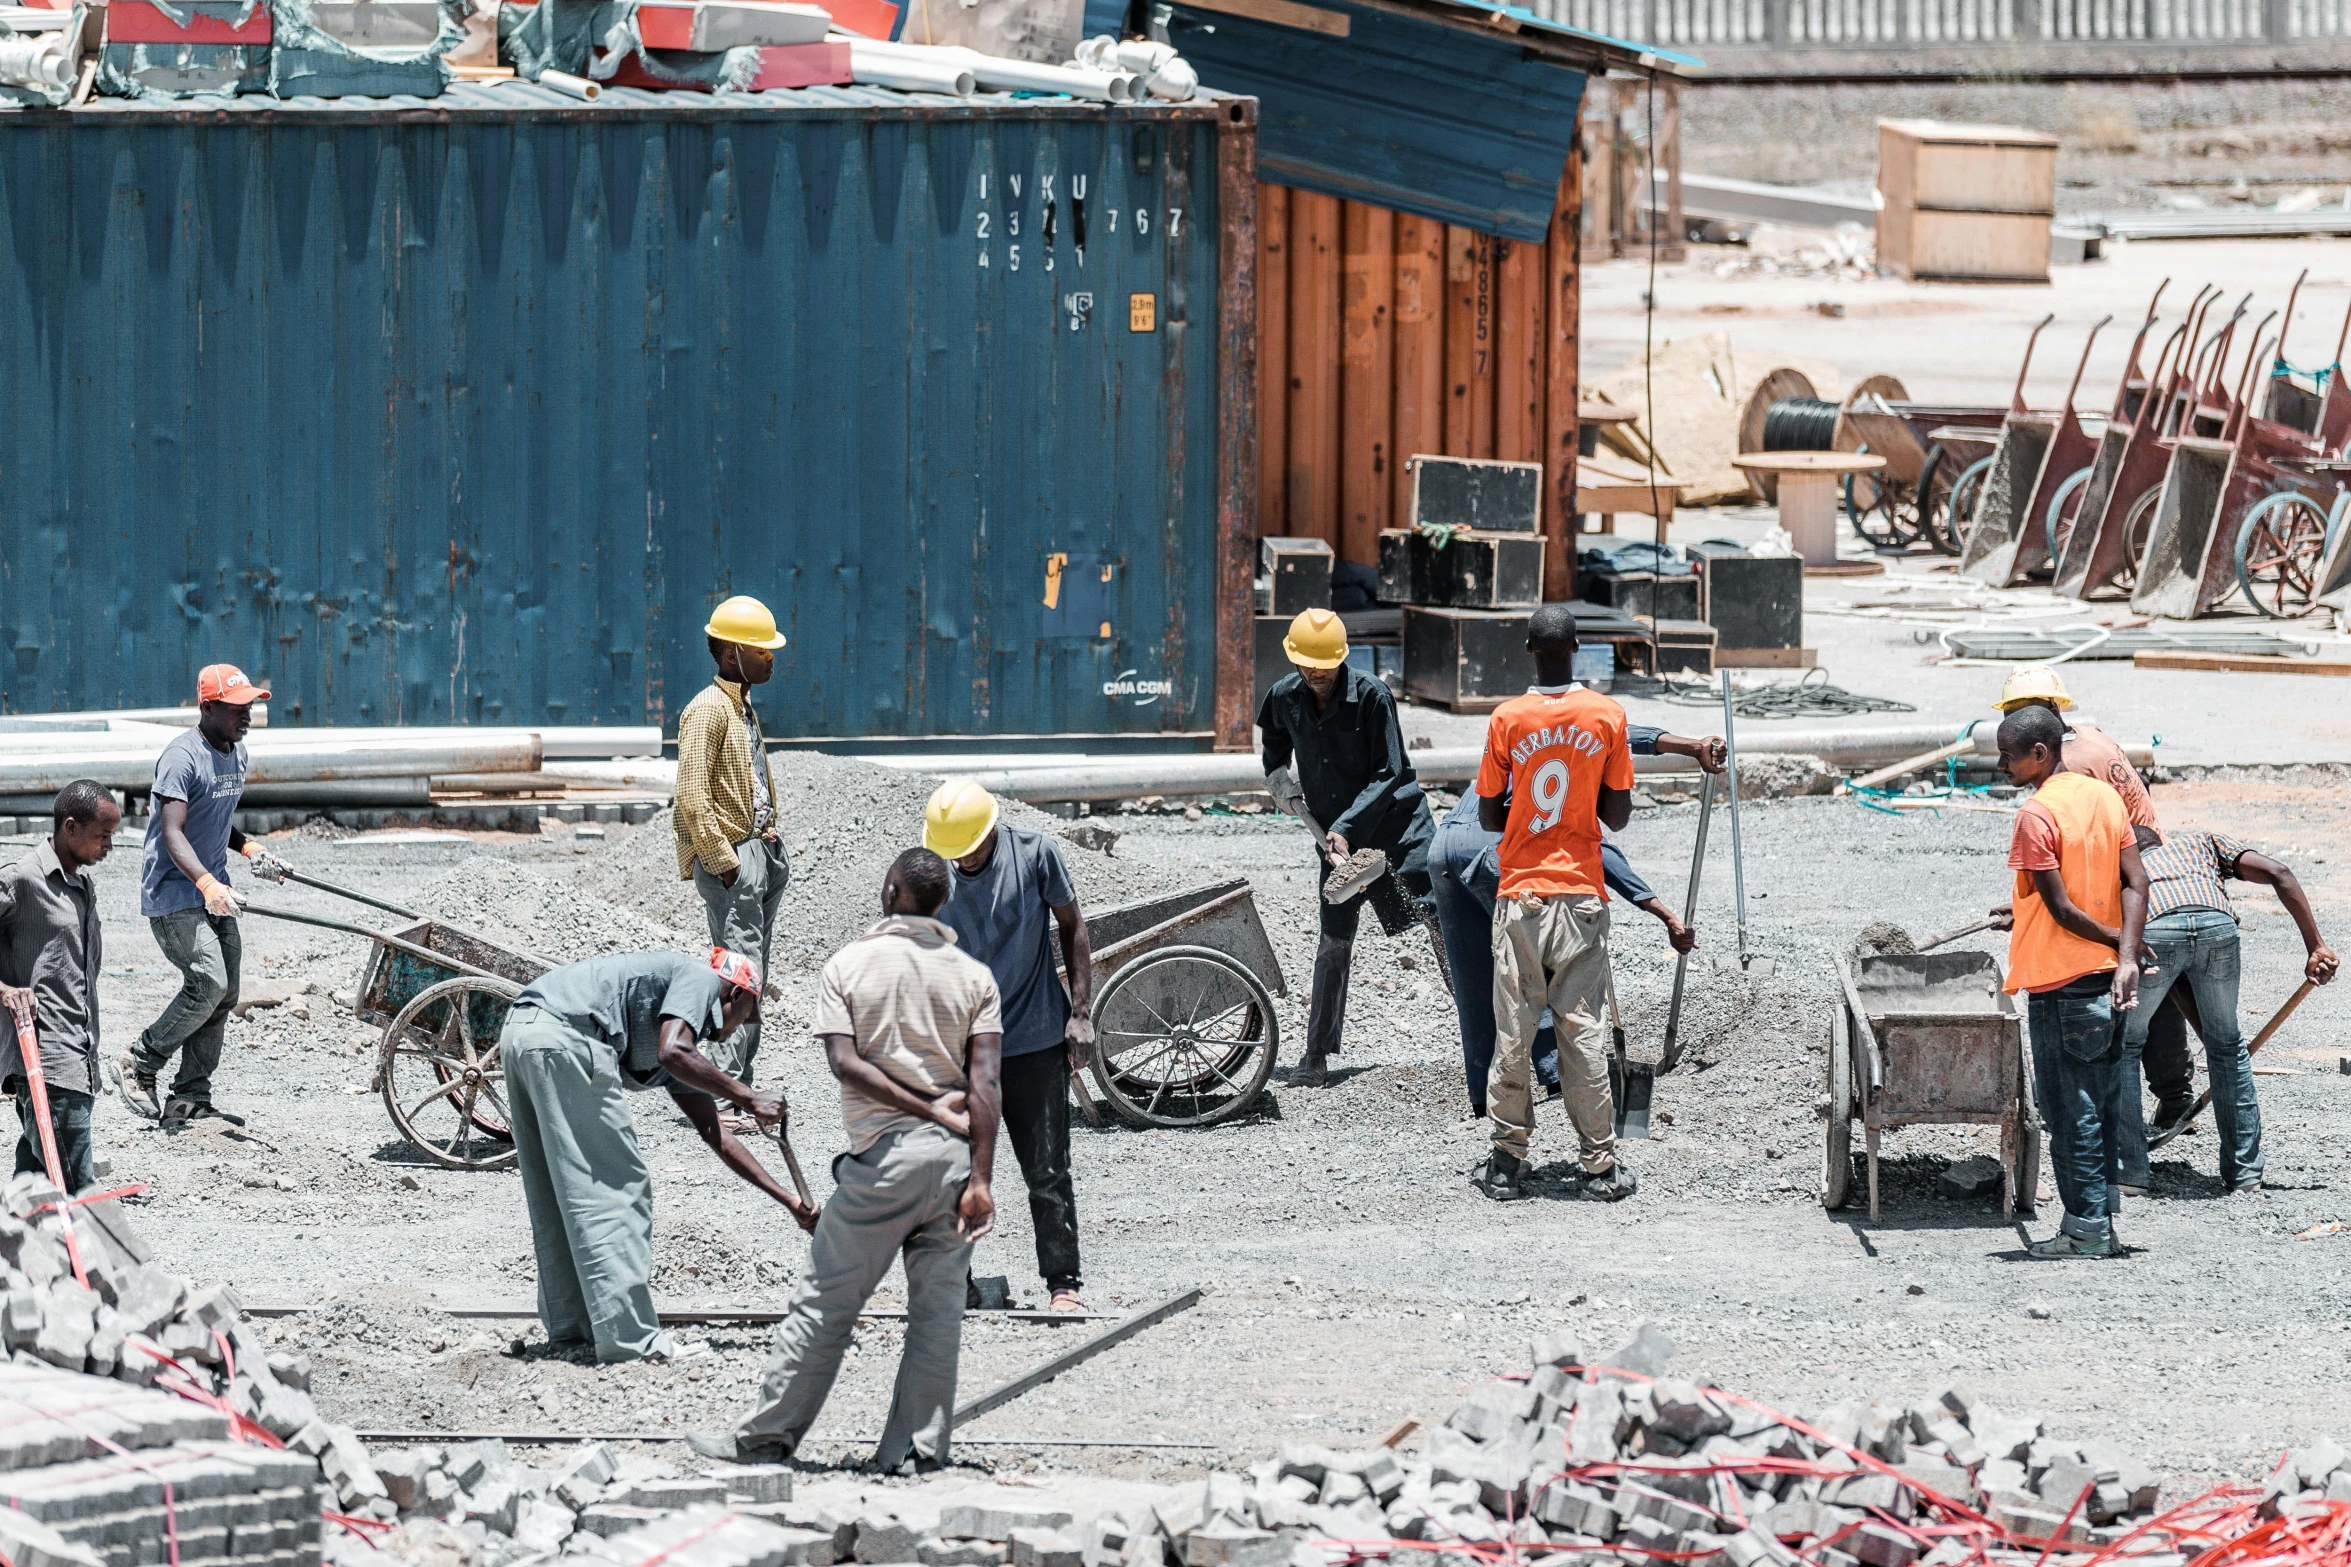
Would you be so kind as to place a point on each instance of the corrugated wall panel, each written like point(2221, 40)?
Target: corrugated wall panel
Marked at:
point(472, 420)
point(1399, 335)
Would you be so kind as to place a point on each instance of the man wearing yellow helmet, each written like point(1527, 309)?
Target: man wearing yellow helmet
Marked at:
point(725, 813)
point(1339, 725)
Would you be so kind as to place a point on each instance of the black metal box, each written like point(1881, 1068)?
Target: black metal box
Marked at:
point(1644, 593)
point(1272, 662)
point(1472, 571)
point(1476, 492)
point(1684, 647)
point(1468, 660)
point(1751, 601)
point(1300, 570)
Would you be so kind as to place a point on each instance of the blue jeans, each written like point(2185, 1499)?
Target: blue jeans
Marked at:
point(2077, 1077)
point(2197, 947)
point(1467, 924)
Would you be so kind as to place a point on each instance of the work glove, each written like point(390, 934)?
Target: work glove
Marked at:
point(220, 899)
point(1282, 784)
point(266, 865)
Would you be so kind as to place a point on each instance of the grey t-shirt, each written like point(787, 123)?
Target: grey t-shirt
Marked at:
point(622, 1000)
point(211, 782)
point(1004, 917)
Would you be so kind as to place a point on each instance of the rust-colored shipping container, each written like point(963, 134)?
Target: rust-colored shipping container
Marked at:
point(1381, 335)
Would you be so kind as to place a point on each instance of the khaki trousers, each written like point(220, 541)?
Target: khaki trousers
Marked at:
point(1552, 952)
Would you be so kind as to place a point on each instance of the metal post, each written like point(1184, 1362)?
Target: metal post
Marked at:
point(1730, 742)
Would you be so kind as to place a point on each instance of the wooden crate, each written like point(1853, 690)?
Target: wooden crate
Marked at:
point(1473, 571)
point(1964, 247)
point(1933, 166)
point(1467, 660)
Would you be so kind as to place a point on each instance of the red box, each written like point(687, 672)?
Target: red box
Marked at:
point(866, 18)
point(211, 22)
point(803, 65)
point(666, 26)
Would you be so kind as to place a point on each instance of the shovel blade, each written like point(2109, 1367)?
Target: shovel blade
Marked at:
point(1636, 1086)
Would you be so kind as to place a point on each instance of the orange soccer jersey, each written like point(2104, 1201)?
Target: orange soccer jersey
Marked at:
point(1552, 752)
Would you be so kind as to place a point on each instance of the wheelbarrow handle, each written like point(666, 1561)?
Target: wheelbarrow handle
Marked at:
point(356, 897)
point(394, 942)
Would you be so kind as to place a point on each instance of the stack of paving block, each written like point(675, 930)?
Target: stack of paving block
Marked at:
point(1469, 572)
point(97, 1473)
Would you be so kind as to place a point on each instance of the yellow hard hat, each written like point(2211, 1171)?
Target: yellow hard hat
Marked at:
point(958, 818)
point(2032, 683)
point(744, 619)
point(1317, 639)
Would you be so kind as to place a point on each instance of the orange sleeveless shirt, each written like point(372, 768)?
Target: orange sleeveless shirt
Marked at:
point(2091, 830)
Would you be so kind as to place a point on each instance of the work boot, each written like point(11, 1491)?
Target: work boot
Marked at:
point(2169, 1115)
point(2066, 1244)
point(729, 1448)
point(138, 1088)
point(1326, 1012)
point(1613, 1184)
point(1502, 1177)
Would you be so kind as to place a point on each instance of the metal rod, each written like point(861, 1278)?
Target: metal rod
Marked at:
point(394, 942)
point(356, 897)
point(1108, 1338)
point(558, 1438)
point(1730, 745)
point(1681, 960)
point(721, 1319)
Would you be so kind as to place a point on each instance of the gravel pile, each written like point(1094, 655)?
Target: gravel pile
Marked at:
point(1570, 1463)
point(843, 822)
point(519, 906)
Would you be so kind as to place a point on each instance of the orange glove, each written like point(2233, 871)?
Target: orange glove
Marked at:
point(220, 899)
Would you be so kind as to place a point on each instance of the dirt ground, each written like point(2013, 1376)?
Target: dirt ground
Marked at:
point(1353, 1277)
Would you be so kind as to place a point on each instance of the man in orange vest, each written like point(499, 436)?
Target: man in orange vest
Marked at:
point(2080, 903)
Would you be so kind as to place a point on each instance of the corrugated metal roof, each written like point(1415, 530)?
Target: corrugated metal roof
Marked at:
point(469, 100)
point(1613, 51)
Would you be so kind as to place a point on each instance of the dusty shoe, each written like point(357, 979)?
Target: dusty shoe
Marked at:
point(1614, 1184)
point(1502, 1177)
point(1313, 1070)
point(728, 1448)
point(2169, 1115)
point(177, 1114)
point(2064, 1244)
point(138, 1088)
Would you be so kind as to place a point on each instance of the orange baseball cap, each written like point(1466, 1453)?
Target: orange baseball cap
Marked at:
point(227, 683)
point(736, 969)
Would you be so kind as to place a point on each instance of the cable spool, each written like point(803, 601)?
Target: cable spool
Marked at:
point(1775, 387)
point(1800, 424)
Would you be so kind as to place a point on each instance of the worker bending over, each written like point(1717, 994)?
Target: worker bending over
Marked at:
point(725, 814)
point(1557, 765)
point(50, 955)
point(190, 907)
point(911, 1028)
point(2191, 935)
point(1465, 876)
point(2089, 750)
point(1358, 791)
point(1010, 904)
point(2080, 902)
point(577, 1042)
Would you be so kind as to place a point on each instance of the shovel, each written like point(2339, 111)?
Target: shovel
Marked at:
point(1631, 1084)
point(1953, 935)
point(1760, 967)
point(2275, 1023)
point(1672, 1056)
point(1350, 878)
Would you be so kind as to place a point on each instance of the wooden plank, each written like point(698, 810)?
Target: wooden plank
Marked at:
point(1366, 387)
point(1273, 360)
point(1313, 490)
point(1285, 13)
point(1518, 351)
point(1563, 274)
point(1106, 1339)
point(1667, 155)
point(1469, 344)
point(2239, 663)
point(1598, 224)
point(1238, 486)
point(1419, 361)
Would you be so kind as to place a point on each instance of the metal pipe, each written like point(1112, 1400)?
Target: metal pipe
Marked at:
point(352, 792)
point(123, 767)
point(1730, 740)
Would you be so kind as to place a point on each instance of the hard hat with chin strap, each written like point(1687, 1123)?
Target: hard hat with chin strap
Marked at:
point(744, 619)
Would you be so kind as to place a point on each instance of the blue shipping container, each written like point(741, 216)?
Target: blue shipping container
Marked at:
point(467, 411)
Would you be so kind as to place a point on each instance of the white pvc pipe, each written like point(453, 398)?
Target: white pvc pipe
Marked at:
point(119, 767)
point(36, 60)
point(572, 86)
point(1001, 74)
point(881, 65)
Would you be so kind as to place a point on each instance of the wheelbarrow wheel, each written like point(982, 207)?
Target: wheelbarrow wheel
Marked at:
point(443, 1083)
point(1958, 518)
point(2280, 546)
point(2064, 513)
point(1836, 1170)
point(2137, 523)
point(1183, 1036)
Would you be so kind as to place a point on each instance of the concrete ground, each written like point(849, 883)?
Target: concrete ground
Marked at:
point(1353, 1277)
point(1962, 343)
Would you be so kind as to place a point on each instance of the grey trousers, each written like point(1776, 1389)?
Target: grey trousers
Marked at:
point(895, 1199)
point(585, 1185)
point(1552, 952)
point(208, 951)
point(743, 919)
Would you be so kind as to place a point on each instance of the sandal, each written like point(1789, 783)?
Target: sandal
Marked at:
point(1065, 1303)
